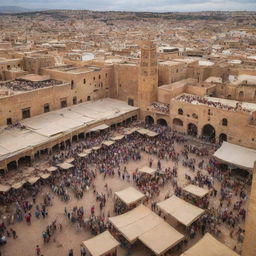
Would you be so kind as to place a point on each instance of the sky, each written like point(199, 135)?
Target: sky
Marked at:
point(137, 5)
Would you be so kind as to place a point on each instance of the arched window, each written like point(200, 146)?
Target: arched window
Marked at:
point(224, 122)
point(180, 111)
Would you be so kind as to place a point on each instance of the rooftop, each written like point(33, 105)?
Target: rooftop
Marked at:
point(225, 104)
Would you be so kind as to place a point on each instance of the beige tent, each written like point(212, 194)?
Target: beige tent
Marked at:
point(130, 131)
point(161, 238)
point(101, 244)
point(147, 170)
point(143, 224)
point(85, 153)
point(45, 175)
point(151, 134)
point(69, 160)
point(32, 180)
point(130, 195)
point(108, 143)
point(52, 169)
point(65, 166)
point(96, 148)
point(4, 188)
point(143, 131)
point(118, 137)
point(181, 210)
point(18, 185)
point(196, 191)
point(209, 246)
point(239, 156)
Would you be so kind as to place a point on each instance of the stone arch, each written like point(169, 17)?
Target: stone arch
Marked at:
point(149, 120)
point(192, 129)
point(12, 165)
point(223, 137)
point(208, 133)
point(162, 122)
point(177, 121)
point(24, 160)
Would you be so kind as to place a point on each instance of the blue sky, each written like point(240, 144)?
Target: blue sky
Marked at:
point(138, 5)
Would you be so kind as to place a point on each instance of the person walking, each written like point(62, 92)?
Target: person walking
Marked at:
point(38, 250)
point(70, 252)
point(82, 250)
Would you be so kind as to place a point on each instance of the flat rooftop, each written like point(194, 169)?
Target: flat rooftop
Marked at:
point(225, 104)
point(75, 70)
point(20, 84)
point(46, 127)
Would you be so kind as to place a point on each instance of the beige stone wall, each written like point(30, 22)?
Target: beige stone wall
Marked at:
point(249, 248)
point(238, 122)
point(125, 83)
point(9, 65)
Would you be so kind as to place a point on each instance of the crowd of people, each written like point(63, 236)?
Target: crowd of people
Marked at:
point(111, 162)
point(194, 99)
point(25, 85)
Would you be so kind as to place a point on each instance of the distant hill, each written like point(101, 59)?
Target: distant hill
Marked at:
point(14, 9)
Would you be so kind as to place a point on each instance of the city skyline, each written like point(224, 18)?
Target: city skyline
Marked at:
point(133, 5)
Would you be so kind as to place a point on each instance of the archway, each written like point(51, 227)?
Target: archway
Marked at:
point(149, 120)
point(208, 133)
point(192, 129)
point(222, 137)
point(177, 121)
point(162, 122)
point(25, 160)
point(12, 165)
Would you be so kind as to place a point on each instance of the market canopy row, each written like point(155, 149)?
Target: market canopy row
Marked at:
point(130, 195)
point(143, 224)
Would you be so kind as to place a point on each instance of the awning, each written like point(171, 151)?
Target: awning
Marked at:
point(65, 166)
point(45, 175)
point(181, 210)
point(129, 131)
point(239, 156)
point(4, 188)
point(142, 131)
point(143, 224)
point(99, 128)
point(161, 238)
point(130, 195)
point(147, 170)
point(209, 246)
point(118, 137)
point(96, 148)
point(108, 142)
point(196, 191)
point(85, 153)
point(33, 180)
point(101, 244)
point(52, 169)
point(70, 160)
point(151, 134)
point(18, 185)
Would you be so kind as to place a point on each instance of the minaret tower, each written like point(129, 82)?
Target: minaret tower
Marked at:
point(148, 75)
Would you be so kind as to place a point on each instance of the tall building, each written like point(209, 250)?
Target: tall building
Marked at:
point(148, 75)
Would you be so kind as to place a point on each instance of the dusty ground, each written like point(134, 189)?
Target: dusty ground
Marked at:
point(30, 236)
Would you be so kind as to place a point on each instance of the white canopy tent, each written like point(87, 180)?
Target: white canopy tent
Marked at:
point(239, 156)
point(209, 246)
point(196, 191)
point(181, 210)
point(52, 169)
point(130, 195)
point(143, 224)
point(118, 137)
point(4, 188)
point(101, 244)
point(108, 142)
point(147, 170)
point(65, 166)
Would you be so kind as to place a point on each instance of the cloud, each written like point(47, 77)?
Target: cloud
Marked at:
point(138, 5)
